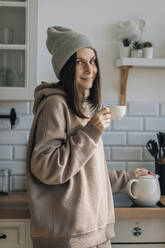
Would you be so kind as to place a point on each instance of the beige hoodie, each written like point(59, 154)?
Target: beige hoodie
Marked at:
point(69, 186)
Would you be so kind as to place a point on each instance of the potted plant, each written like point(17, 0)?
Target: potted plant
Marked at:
point(137, 49)
point(147, 50)
point(125, 47)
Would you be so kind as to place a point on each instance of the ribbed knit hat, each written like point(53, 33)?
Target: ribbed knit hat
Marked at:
point(62, 43)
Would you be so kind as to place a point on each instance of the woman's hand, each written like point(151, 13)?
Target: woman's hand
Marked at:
point(141, 172)
point(101, 119)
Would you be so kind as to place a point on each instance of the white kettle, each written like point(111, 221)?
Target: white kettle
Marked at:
point(145, 190)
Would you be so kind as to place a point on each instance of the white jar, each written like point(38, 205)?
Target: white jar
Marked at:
point(148, 52)
point(137, 53)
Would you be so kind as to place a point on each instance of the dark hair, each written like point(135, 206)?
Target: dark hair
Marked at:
point(67, 83)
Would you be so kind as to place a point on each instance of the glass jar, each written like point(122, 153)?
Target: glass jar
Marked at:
point(4, 181)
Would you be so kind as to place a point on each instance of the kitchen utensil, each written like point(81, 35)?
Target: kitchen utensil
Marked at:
point(161, 142)
point(155, 148)
point(152, 147)
point(145, 190)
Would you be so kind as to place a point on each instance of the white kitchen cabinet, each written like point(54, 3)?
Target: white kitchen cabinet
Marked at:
point(15, 234)
point(139, 233)
point(18, 49)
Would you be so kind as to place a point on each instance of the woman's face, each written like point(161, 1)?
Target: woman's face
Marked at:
point(86, 69)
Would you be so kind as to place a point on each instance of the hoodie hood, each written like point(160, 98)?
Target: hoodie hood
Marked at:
point(44, 90)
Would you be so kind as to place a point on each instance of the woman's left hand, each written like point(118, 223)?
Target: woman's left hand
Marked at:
point(141, 172)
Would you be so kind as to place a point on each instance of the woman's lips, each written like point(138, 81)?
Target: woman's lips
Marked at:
point(89, 78)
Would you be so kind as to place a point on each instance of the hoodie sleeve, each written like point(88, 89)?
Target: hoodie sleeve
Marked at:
point(118, 179)
point(56, 158)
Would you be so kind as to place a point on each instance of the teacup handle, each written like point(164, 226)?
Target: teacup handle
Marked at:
point(129, 187)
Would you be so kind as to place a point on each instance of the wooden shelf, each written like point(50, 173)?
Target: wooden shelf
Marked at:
point(140, 62)
point(126, 63)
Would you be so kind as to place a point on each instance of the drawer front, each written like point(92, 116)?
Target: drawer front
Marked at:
point(135, 231)
point(12, 234)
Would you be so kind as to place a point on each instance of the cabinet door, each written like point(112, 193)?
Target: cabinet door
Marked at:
point(139, 231)
point(28, 234)
point(18, 42)
point(12, 234)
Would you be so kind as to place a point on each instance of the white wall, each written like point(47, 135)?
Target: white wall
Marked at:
point(97, 19)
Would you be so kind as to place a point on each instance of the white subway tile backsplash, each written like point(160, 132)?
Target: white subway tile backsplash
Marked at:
point(146, 155)
point(20, 107)
point(20, 152)
point(114, 138)
point(143, 109)
point(154, 124)
point(13, 137)
point(24, 123)
point(6, 152)
point(5, 124)
point(107, 152)
point(18, 183)
point(17, 167)
point(130, 166)
point(116, 166)
point(128, 124)
point(126, 153)
point(162, 109)
point(139, 138)
point(109, 103)
point(31, 107)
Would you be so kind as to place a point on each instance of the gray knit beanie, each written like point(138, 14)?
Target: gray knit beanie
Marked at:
point(62, 43)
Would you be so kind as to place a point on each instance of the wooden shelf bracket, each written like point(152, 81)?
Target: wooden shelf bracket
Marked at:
point(123, 80)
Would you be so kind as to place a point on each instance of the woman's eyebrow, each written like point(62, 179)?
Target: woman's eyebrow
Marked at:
point(85, 59)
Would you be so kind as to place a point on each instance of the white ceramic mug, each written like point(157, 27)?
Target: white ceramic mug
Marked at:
point(117, 112)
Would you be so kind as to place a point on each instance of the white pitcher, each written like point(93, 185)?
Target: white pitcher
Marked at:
point(145, 190)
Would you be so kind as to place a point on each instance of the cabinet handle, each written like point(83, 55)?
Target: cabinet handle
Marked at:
point(3, 236)
point(137, 231)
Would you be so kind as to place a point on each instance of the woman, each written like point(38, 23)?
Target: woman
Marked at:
point(69, 186)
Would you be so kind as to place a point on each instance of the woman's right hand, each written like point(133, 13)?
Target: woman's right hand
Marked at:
point(101, 120)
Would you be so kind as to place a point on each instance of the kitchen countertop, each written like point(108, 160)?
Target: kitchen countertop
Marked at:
point(15, 206)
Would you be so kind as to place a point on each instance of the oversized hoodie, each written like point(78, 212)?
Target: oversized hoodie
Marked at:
point(69, 185)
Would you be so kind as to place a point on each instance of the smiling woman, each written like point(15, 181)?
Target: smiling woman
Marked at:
point(69, 185)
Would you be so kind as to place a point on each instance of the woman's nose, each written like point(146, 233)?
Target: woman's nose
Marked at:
point(88, 68)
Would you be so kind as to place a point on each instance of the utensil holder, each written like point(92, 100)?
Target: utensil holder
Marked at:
point(160, 170)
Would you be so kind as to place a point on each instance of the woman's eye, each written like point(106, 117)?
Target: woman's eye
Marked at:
point(93, 61)
point(78, 62)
